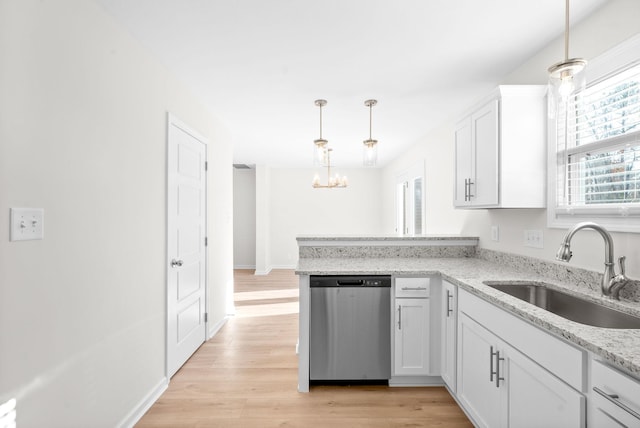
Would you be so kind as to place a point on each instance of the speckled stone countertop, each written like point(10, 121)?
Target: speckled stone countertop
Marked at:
point(341, 238)
point(619, 347)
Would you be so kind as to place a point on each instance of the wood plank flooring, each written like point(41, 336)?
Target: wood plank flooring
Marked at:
point(246, 376)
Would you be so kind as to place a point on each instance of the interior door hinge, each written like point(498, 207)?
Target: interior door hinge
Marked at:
point(206, 166)
point(206, 317)
point(206, 241)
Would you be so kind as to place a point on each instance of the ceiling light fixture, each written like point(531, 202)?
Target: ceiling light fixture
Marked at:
point(332, 182)
point(370, 145)
point(566, 77)
point(320, 154)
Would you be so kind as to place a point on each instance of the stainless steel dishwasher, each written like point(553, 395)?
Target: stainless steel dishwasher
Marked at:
point(350, 332)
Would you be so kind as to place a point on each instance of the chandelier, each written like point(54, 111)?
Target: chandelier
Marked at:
point(566, 77)
point(332, 182)
point(322, 156)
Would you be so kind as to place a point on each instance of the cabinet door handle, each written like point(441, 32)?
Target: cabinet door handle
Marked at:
point(399, 317)
point(470, 183)
point(449, 305)
point(498, 377)
point(491, 372)
point(414, 288)
point(615, 399)
point(466, 186)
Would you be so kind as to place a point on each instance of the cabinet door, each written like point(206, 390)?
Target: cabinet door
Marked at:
point(477, 390)
point(411, 337)
point(536, 398)
point(448, 335)
point(485, 143)
point(463, 163)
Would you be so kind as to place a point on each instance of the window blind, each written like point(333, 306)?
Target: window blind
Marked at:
point(598, 136)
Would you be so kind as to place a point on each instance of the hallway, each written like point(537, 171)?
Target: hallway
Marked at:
point(246, 376)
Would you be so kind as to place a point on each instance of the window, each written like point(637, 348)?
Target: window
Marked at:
point(596, 143)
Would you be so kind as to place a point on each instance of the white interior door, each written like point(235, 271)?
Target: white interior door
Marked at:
point(186, 246)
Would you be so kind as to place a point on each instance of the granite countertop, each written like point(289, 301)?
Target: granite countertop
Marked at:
point(390, 237)
point(620, 347)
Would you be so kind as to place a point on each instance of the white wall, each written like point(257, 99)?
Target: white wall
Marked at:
point(612, 24)
point(263, 220)
point(83, 135)
point(298, 209)
point(244, 218)
point(436, 150)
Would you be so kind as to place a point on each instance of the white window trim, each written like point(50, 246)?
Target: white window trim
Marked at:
point(615, 217)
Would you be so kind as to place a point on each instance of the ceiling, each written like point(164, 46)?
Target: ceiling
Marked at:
point(259, 65)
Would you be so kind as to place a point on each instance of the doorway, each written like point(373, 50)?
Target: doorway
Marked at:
point(410, 212)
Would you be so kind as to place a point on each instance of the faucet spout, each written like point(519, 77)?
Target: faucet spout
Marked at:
point(611, 283)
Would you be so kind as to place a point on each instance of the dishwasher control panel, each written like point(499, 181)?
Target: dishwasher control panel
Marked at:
point(350, 281)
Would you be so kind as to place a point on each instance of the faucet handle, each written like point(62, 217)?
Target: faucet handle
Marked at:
point(621, 261)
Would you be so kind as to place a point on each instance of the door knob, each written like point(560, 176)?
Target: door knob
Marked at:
point(176, 263)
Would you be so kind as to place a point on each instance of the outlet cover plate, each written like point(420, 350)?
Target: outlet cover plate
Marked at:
point(495, 233)
point(533, 238)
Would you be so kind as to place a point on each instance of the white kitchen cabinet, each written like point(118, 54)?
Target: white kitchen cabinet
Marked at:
point(476, 388)
point(412, 327)
point(500, 151)
point(449, 315)
point(614, 398)
point(498, 385)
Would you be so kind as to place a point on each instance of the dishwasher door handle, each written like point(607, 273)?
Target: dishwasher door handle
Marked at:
point(350, 282)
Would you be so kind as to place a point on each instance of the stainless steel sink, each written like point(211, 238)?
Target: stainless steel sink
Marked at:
point(566, 305)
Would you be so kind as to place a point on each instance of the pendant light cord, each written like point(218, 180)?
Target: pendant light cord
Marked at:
point(370, 118)
point(320, 121)
point(566, 32)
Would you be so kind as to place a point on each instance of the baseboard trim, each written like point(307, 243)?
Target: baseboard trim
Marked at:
point(216, 327)
point(284, 266)
point(145, 404)
point(276, 267)
point(416, 381)
point(244, 266)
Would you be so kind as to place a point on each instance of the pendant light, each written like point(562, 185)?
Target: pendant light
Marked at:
point(320, 145)
point(567, 77)
point(370, 146)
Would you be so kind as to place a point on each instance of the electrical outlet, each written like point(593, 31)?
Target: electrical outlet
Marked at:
point(495, 233)
point(533, 238)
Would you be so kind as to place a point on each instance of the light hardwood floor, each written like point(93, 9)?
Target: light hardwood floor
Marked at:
point(246, 376)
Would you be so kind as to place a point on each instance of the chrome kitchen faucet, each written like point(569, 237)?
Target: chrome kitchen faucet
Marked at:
point(612, 283)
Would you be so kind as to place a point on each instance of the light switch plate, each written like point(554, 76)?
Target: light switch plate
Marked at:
point(27, 224)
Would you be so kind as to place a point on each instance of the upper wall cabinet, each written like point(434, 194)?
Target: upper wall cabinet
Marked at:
point(500, 150)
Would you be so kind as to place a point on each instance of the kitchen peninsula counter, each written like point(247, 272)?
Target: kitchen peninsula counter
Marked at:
point(469, 267)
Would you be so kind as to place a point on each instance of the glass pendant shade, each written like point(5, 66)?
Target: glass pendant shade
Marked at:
point(370, 153)
point(566, 80)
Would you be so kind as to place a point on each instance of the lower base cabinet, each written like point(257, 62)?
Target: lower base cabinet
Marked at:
point(501, 387)
point(614, 398)
point(412, 347)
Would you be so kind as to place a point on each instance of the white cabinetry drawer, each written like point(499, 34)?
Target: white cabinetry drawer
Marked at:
point(412, 287)
point(614, 396)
